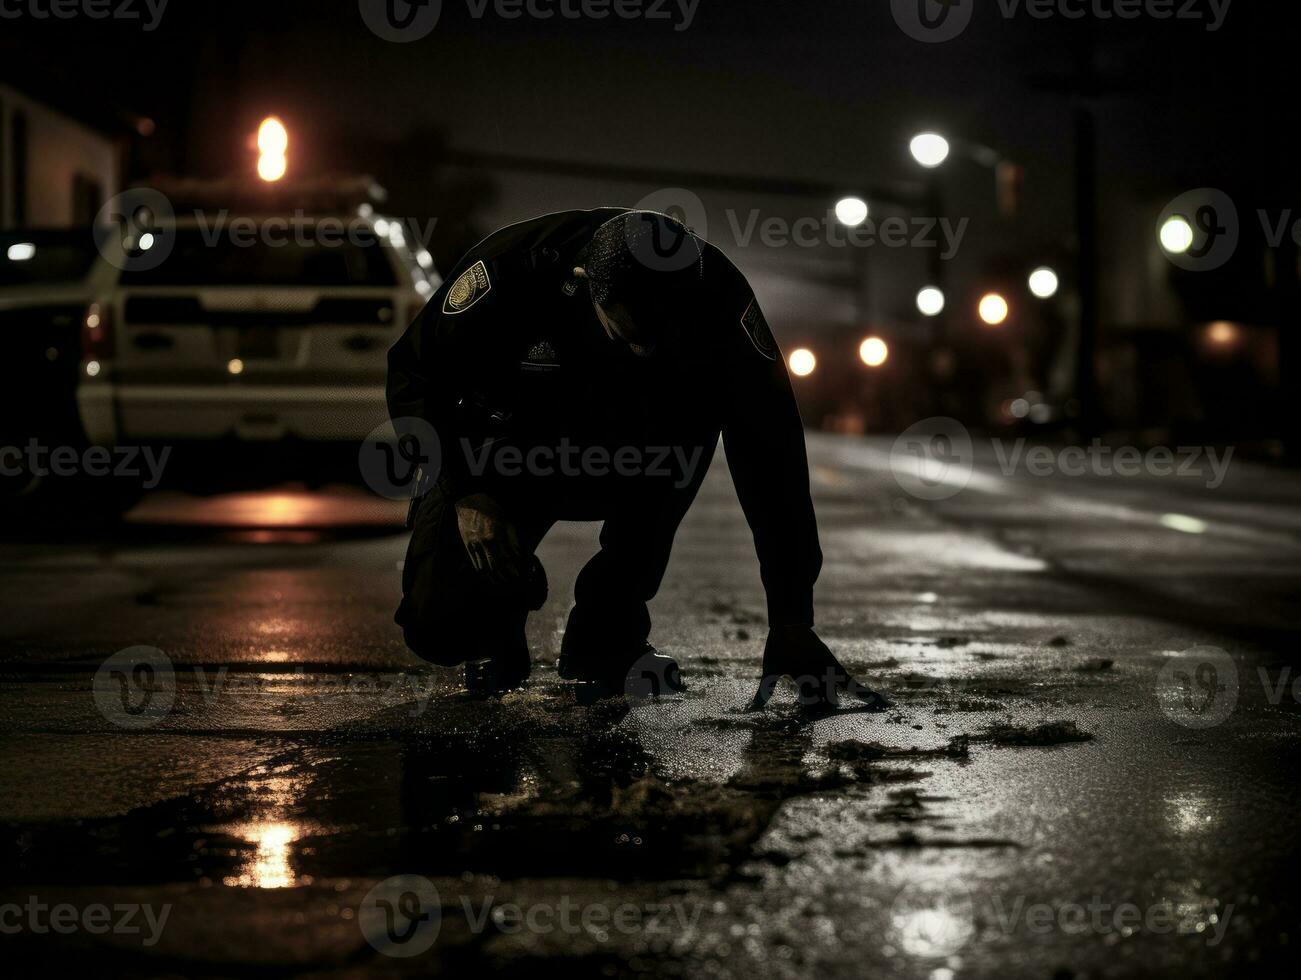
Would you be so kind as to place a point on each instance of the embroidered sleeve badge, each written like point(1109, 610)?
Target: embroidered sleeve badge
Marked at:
point(471, 286)
point(756, 328)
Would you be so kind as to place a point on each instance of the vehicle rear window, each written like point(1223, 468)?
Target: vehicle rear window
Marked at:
point(209, 258)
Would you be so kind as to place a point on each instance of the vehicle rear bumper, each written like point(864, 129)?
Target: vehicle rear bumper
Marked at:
point(115, 413)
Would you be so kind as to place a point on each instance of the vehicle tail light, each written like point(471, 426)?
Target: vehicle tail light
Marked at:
point(97, 332)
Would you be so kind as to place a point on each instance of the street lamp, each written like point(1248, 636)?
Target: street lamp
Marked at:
point(1044, 282)
point(929, 149)
point(993, 309)
point(930, 301)
point(851, 211)
point(273, 145)
point(1222, 334)
point(873, 351)
point(1177, 235)
point(802, 362)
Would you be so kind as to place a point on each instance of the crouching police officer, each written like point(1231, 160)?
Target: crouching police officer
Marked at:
point(581, 366)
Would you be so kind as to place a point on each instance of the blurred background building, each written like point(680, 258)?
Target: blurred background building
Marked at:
point(56, 170)
point(1062, 158)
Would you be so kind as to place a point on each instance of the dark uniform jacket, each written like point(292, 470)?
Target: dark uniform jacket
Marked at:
point(509, 352)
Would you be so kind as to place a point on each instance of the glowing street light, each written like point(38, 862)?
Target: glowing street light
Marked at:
point(21, 252)
point(1177, 235)
point(802, 362)
point(271, 168)
point(1222, 334)
point(851, 211)
point(1044, 282)
point(272, 137)
point(930, 301)
point(929, 149)
point(273, 145)
point(873, 351)
point(993, 309)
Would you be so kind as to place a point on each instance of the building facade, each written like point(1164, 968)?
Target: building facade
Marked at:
point(55, 171)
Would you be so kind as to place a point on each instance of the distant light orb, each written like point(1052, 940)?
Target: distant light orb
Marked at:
point(802, 362)
point(272, 166)
point(930, 301)
point(1044, 282)
point(873, 351)
point(92, 369)
point(146, 241)
point(929, 149)
point(1019, 408)
point(235, 366)
point(1177, 235)
point(993, 309)
point(21, 252)
point(272, 137)
point(851, 211)
point(1222, 333)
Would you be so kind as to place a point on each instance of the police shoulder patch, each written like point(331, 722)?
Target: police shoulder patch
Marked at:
point(756, 328)
point(470, 286)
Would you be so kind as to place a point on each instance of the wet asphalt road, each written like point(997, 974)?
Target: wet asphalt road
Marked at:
point(292, 758)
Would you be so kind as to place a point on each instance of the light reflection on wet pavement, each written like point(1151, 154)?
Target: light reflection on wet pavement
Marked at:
point(307, 756)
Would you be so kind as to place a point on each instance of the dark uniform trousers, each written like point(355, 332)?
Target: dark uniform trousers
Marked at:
point(450, 613)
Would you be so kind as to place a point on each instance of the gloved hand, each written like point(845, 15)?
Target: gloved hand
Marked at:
point(490, 539)
point(798, 653)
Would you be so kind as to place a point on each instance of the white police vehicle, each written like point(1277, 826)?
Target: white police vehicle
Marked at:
point(221, 311)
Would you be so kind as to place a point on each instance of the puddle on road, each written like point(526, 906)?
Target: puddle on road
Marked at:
point(535, 788)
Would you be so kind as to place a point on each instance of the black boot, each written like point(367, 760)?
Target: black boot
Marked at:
point(497, 675)
point(648, 674)
point(507, 664)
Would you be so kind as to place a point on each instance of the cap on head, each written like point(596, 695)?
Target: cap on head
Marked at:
point(641, 259)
